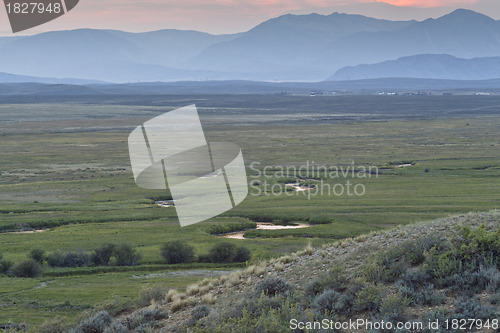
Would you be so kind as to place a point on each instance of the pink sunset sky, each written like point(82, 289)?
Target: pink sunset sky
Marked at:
point(230, 16)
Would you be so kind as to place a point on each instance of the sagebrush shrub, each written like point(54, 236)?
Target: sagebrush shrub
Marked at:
point(325, 302)
point(95, 324)
point(415, 284)
point(492, 275)
point(314, 288)
point(146, 296)
point(387, 267)
point(272, 287)
point(495, 299)
point(414, 279)
point(414, 250)
point(199, 312)
point(116, 327)
point(440, 315)
point(150, 315)
point(468, 283)
point(145, 320)
point(471, 308)
point(332, 302)
point(55, 325)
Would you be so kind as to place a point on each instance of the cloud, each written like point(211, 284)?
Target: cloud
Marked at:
point(428, 3)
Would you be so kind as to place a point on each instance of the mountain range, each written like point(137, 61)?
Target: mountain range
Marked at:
point(425, 66)
point(309, 47)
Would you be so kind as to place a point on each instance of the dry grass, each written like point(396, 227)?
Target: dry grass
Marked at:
point(309, 250)
point(250, 270)
point(260, 269)
point(286, 259)
point(192, 289)
point(179, 303)
point(205, 289)
point(171, 294)
point(234, 279)
point(208, 299)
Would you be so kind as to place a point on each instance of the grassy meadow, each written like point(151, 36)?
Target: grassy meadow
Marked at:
point(64, 169)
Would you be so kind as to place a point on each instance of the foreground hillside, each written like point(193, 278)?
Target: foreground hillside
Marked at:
point(444, 272)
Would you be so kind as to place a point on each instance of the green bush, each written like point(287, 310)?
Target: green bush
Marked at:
point(225, 228)
point(68, 259)
point(177, 252)
point(102, 255)
point(442, 265)
point(242, 254)
point(261, 314)
point(227, 252)
point(204, 258)
point(222, 252)
point(478, 244)
point(37, 254)
point(26, 269)
point(369, 298)
point(5, 266)
point(125, 255)
point(56, 259)
point(394, 305)
point(413, 251)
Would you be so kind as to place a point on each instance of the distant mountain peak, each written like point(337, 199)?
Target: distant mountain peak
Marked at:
point(461, 14)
